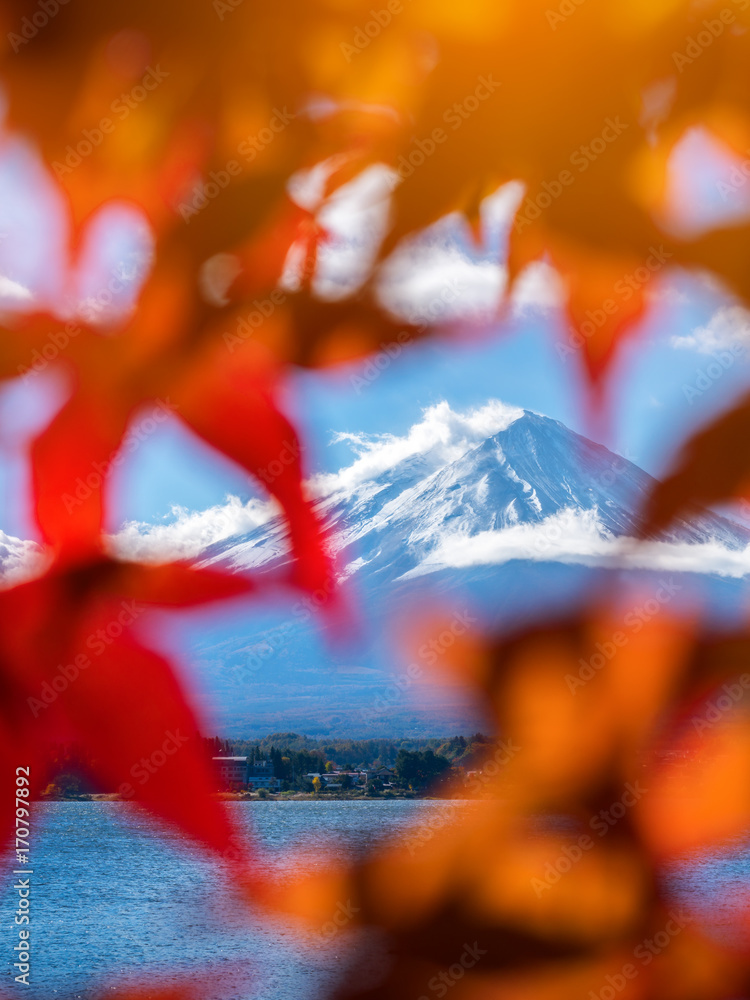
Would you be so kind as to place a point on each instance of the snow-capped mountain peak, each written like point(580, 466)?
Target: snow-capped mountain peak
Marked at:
point(528, 474)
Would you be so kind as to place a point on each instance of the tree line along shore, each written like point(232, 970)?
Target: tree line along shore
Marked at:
point(294, 766)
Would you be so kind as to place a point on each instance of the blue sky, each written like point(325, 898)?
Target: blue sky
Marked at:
point(518, 364)
point(652, 415)
point(659, 396)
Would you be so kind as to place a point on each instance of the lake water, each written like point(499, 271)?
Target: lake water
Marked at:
point(113, 901)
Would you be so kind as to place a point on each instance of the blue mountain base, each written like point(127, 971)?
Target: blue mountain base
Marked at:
point(278, 671)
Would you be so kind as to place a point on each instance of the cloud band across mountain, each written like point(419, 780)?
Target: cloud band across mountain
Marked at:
point(461, 491)
point(442, 436)
point(457, 491)
point(578, 537)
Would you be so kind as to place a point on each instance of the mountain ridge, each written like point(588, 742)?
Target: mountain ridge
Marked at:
point(517, 524)
point(473, 531)
point(499, 483)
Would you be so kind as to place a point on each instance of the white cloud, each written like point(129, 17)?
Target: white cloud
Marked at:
point(114, 260)
point(728, 327)
point(573, 536)
point(670, 291)
point(432, 277)
point(191, 532)
point(356, 220)
point(538, 288)
point(498, 210)
point(19, 560)
point(656, 102)
point(706, 187)
point(216, 276)
point(13, 291)
point(570, 536)
point(34, 230)
point(442, 435)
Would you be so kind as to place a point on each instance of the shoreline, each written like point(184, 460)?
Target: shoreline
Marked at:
point(254, 797)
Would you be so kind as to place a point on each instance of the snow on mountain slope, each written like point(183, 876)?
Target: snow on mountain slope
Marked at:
point(533, 490)
point(501, 512)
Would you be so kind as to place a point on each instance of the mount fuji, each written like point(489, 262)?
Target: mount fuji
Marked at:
point(522, 522)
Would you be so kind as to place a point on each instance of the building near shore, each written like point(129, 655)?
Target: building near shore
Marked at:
point(231, 772)
point(238, 773)
point(260, 775)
